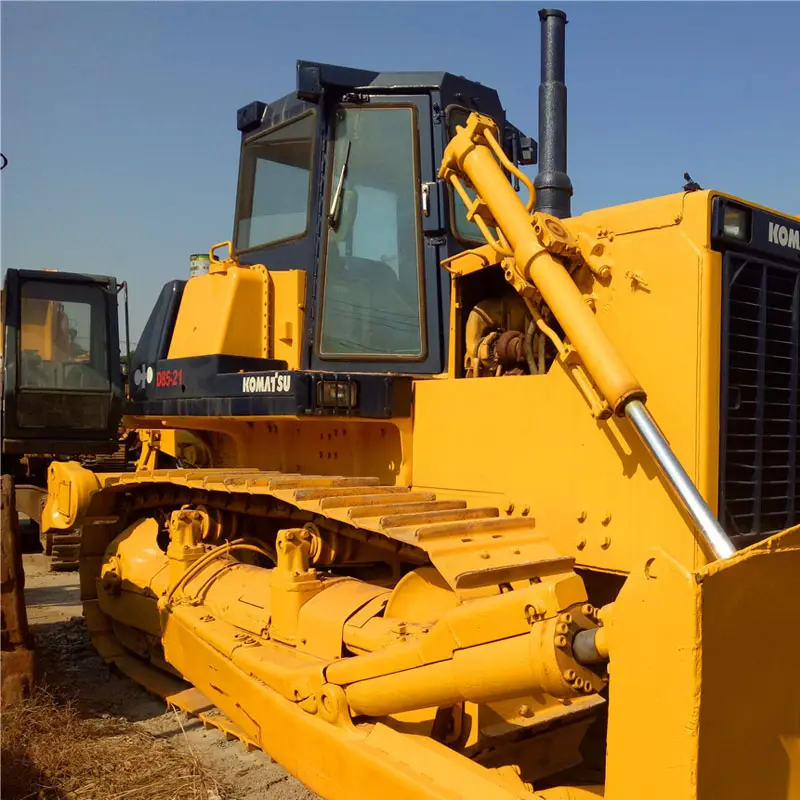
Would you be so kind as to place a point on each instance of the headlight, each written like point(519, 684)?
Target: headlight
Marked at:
point(337, 394)
point(736, 222)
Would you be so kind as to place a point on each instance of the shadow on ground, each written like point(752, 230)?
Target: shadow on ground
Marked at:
point(50, 595)
point(69, 665)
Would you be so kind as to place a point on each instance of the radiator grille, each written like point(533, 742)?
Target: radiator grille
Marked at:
point(759, 475)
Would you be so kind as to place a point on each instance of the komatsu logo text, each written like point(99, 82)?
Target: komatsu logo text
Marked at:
point(784, 236)
point(266, 383)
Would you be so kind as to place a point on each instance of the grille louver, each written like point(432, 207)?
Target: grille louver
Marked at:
point(759, 475)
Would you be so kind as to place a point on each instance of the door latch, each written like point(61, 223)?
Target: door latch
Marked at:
point(426, 197)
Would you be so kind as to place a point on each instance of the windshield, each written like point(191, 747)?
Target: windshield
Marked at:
point(371, 303)
point(275, 185)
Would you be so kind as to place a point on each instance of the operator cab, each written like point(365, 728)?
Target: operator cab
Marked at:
point(339, 198)
point(340, 178)
point(62, 382)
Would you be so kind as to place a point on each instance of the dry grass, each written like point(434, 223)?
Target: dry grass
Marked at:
point(49, 752)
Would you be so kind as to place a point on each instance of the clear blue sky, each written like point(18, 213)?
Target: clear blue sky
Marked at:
point(119, 119)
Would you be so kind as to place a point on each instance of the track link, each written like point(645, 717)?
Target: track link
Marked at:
point(471, 546)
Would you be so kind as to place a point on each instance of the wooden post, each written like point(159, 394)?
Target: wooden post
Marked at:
point(16, 658)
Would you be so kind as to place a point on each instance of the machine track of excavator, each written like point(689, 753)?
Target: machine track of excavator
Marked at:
point(445, 493)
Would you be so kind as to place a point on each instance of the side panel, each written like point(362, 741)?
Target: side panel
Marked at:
point(530, 442)
point(287, 312)
point(248, 312)
point(223, 314)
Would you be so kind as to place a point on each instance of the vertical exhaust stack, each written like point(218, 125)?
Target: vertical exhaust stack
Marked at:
point(553, 186)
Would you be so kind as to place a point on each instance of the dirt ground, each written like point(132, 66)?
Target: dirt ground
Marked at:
point(67, 659)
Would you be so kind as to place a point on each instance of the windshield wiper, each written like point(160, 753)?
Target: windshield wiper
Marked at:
point(336, 202)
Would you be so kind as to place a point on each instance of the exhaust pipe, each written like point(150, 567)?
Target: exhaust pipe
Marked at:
point(553, 186)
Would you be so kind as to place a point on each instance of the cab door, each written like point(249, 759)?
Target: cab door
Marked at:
point(378, 306)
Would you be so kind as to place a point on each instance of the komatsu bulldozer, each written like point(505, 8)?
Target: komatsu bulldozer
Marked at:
point(446, 493)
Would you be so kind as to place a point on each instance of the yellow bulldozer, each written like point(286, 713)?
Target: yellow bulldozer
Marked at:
point(446, 493)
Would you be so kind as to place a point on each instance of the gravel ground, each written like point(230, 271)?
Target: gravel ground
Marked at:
point(67, 659)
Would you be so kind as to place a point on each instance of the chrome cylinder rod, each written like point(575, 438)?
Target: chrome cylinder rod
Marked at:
point(706, 522)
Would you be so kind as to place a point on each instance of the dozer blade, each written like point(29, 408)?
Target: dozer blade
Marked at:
point(705, 678)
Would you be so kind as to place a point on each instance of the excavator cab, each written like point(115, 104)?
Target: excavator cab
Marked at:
point(62, 387)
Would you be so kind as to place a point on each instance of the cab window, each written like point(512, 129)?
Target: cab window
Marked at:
point(371, 296)
point(461, 226)
point(275, 185)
